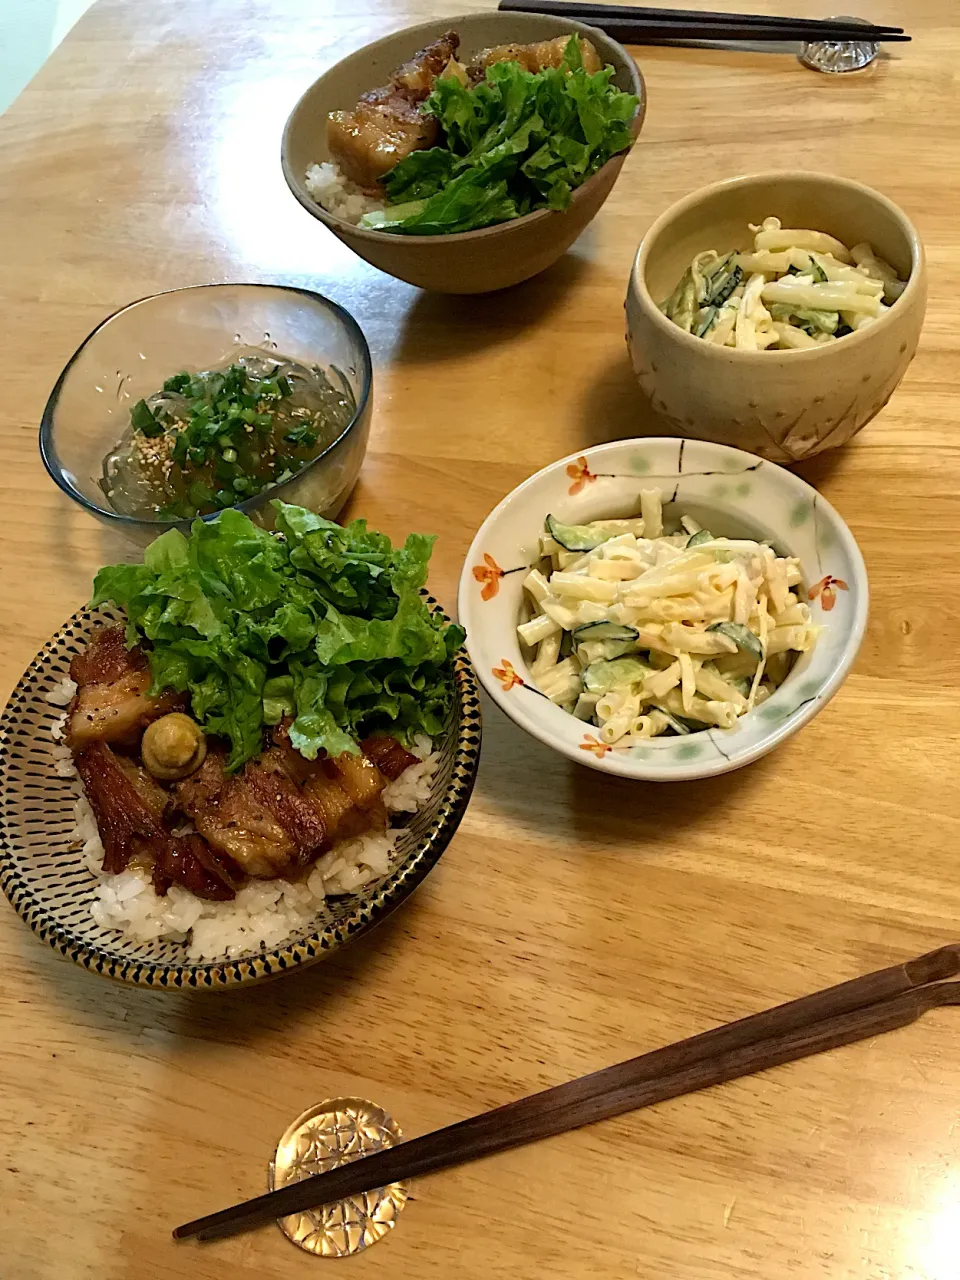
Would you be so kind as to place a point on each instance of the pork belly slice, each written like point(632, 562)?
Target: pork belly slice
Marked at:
point(269, 781)
point(346, 790)
point(415, 79)
point(127, 810)
point(189, 861)
point(107, 658)
point(235, 822)
point(112, 704)
point(388, 755)
point(534, 57)
point(345, 821)
point(359, 777)
point(380, 132)
point(387, 125)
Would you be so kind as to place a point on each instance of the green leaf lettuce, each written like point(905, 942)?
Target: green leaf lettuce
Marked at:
point(515, 142)
point(325, 624)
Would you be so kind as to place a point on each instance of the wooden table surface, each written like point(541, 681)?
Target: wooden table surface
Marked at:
point(575, 919)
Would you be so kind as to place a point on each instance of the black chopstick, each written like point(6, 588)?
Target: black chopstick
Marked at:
point(639, 27)
point(634, 13)
point(865, 1007)
point(642, 32)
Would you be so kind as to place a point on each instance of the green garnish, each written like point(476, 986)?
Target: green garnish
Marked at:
point(516, 142)
point(301, 437)
point(326, 624)
point(219, 437)
point(142, 420)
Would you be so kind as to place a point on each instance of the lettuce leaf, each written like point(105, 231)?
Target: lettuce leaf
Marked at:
point(516, 142)
point(325, 624)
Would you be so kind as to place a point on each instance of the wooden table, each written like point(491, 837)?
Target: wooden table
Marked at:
point(575, 919)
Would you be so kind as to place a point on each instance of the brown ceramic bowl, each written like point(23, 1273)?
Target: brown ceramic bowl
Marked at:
point(469, 261)
point(782, 405)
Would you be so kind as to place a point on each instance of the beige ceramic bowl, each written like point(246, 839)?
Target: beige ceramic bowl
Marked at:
point(783, 405)
point(470, 261)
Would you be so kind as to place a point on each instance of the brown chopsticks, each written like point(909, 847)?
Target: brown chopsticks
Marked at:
point(640, 24)
point(840, 1015)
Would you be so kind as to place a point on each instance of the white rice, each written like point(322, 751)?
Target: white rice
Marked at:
point(62, 693)
point(264, 912)
point(338, 195)
point(60, 696)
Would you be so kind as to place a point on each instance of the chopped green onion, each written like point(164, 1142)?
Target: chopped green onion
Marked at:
point(142, 420)
point(200, 494)
point(302, 437)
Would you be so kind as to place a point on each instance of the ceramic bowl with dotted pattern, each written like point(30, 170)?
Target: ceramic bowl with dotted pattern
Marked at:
point(733, 494)
point(42, 874)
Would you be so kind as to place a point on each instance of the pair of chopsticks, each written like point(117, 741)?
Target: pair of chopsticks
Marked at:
point(855, 1010)
point(643, 25)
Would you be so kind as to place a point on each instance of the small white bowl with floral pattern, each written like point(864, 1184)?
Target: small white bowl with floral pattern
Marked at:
point(735, 494)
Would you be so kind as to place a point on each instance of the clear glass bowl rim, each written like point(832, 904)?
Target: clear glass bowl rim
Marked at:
point(48, 449)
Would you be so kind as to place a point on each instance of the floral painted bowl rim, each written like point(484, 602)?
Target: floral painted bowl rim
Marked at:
point(32, 795)
point(583, 486)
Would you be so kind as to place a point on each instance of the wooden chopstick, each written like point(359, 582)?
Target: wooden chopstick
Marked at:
point(588, 12)
point(855, 1010)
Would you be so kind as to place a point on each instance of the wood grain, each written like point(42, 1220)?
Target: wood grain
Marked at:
point(576, 920)
point(860, 1009)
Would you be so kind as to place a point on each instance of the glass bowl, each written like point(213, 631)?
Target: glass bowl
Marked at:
point(130, 354)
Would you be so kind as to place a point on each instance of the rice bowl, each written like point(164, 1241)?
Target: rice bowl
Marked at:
point(467, 262)
point(43, 874)
point(263, 912)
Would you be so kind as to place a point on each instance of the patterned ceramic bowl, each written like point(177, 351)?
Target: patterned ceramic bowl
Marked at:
point(733, 494)
point(782, 405)
point(42, 873)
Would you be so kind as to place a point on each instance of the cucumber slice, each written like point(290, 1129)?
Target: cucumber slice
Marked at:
point(566, 644)
point(575, 537)
point(696, 538)
point(676, 725)
point(723, 286)
point(604, 630)
point(601, 677)
point(605, 651)
point(741, 636)
point(717, 266)
point(708, 318)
